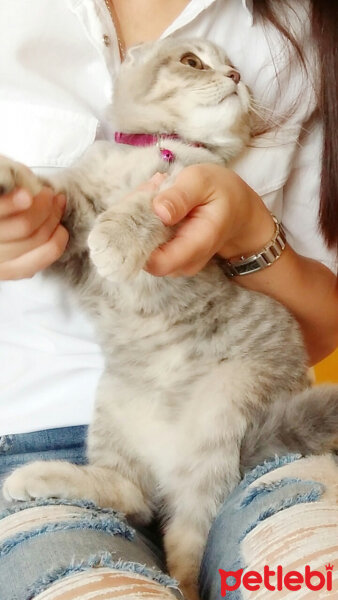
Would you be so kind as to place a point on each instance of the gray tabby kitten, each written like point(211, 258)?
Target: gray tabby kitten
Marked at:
point(194, 366)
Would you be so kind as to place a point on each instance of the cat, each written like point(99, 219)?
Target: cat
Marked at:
point(202, 377)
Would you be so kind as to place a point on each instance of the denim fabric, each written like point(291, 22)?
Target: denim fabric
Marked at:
point(66, 443)
point(249, 506)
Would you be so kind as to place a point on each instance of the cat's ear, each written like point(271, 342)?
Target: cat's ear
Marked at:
point(135, 53)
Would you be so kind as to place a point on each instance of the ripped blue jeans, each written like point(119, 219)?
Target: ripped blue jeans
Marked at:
point(259, 525)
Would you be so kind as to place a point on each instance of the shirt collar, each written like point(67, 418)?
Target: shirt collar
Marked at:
point(248, 6)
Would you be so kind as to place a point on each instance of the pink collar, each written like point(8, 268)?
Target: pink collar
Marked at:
point(143, 139)
point(151, 139)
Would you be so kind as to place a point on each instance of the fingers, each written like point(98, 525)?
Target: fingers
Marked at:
point(196, 241)
point(15, 201)
point(14, 249)
point(22, 225)
point(193, 186)
point(38, 259)
point(212, 206)
point(154, 182)
point(31, 237)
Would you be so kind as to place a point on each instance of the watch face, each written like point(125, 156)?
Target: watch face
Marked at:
point(255, 264)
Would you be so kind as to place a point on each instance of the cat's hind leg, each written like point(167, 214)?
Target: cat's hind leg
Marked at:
point(60, 479)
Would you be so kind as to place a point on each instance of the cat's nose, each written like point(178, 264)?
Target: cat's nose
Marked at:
point(235, 75)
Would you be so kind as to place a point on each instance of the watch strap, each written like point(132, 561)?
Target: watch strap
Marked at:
point(261, 260)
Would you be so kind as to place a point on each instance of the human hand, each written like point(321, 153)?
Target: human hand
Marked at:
point(216, 213)
point(31, 237)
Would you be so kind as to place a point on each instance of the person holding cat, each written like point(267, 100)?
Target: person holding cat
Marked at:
point(225, 216)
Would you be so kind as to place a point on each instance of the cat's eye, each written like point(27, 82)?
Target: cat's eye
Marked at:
point(191, 60)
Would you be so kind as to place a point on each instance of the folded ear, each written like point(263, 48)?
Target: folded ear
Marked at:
point(135, 53)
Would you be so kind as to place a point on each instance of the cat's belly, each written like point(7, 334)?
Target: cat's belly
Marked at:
point(171, 431)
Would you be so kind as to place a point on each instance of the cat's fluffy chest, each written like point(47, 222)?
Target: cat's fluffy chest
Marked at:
point(152, 332)
point(152, 350)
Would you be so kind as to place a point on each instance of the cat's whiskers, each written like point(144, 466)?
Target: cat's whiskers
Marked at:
point(268, 118)
point(272, 122)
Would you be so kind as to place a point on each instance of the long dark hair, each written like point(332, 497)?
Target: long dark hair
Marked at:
point(324, 20)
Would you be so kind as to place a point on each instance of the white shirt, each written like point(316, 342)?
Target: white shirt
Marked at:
point(57, 69)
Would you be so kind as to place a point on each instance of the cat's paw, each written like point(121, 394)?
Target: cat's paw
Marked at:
point(14, 174)
point(49, 479)
point(115, 247)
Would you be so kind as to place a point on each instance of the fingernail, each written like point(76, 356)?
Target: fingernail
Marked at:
point(162, 210)
point(22, 199)
point(158, 178)
point(61, 201)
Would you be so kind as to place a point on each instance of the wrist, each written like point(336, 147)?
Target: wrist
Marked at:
point(255, 230)
point(262, 259)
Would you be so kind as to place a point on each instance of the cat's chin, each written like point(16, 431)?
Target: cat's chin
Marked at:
point(236, 104)
point(227, 97)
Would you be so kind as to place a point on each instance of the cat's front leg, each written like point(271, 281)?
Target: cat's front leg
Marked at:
point(193, 499)
point(125, 235)
point(14, 174)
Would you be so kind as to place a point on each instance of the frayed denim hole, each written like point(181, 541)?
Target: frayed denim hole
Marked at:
point(6, 443)
point(103, 523)
point(266, 488)
point(312, 495)
point(235, 566)
point(267, 467)
point(94, 562)
point(18, 507)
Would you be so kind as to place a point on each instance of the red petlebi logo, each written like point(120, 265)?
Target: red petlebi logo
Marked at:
point(276, 580)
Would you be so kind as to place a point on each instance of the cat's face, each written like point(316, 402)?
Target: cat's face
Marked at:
point(184, 87)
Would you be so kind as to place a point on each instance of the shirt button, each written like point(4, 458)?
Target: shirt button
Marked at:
point(106, 40)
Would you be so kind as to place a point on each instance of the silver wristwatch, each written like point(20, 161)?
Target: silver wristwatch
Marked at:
point(266, 257)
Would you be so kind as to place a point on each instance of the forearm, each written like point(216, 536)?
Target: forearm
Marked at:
point(310, 291)
point(306, 287)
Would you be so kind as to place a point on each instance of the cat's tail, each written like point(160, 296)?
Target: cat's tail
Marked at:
point(305, 424)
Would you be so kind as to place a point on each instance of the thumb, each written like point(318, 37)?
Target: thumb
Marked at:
point(192, 188)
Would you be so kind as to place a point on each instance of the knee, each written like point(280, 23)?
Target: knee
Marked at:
point(282, 512)
point(58, 549)
point(102, 583)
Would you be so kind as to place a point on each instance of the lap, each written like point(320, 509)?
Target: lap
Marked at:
point(283, 513)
